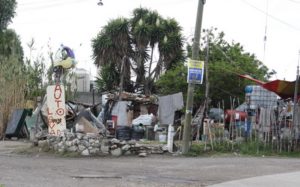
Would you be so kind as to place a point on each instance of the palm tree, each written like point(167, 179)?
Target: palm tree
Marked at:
point(137, 40)
point(111, 45)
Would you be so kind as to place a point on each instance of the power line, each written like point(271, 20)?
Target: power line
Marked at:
point(271, 16)
point(46, 5)
point(266, 27)
point(294, 1)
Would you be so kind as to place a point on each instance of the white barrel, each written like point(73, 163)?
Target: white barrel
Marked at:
point(170, 138)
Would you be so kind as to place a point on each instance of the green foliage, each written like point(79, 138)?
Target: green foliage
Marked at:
point(12, 82)
point(136, 39)
point(248, 148)
point(174, 81)
point(108, 78)
point(10, 45)
point(226, 61)
point(34, 73)
point(7, 12)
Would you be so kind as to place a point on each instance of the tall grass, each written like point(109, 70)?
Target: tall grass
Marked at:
point(12, 86)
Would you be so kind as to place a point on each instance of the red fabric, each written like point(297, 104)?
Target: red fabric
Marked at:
point(284, 89)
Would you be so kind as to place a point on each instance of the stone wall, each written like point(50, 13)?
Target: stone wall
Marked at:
point(84, 144)
point(92, 144)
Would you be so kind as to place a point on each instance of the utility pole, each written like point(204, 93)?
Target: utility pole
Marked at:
point(191, 86)
point(206, 72)
point(203, 108)
point(295, 108)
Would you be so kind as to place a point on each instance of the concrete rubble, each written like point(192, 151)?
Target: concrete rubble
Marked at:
point(92, 144)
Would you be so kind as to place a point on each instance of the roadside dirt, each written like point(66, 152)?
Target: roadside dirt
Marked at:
point(38, 169)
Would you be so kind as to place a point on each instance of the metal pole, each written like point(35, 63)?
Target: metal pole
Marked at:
point(191, 87)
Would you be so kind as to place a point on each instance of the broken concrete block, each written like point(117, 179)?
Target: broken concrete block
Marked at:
point(91, 141)
point(125, 147)
point(94, 151)
point(104, 149)
point(85, 143)
point(143, 154)
point(79, 135)
point(85, 152)
point(69, 143)
point(81, 148)
point(128, 153)
point(132, 142)
point(72, 149)
point(116, 152)
point(75, 141)
point(70, 136)
point(115, 141)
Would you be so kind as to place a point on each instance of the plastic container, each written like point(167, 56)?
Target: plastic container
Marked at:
point(123, 133)
point(170, 138)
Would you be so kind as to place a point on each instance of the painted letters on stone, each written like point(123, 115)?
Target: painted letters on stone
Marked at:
point(56, 109)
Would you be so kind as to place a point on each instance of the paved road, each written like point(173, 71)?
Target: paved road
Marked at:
point(155, 170)
point(275, 180)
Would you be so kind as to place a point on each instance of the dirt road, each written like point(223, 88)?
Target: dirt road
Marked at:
point(155, 170)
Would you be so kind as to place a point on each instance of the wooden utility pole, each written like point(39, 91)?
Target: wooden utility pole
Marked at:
point(206, 73)
point(191, 87)
point(202, 111)
point(295, 108)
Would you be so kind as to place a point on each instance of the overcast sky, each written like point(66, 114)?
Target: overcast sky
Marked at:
point(75, 22)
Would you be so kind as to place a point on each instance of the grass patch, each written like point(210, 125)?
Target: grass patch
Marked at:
point(68, 154)
point(253, 148)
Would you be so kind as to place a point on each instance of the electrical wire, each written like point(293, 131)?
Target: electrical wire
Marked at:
point(271, 16)
point(294, 1)
point(47, 5)
point(231, 61)
point(266, 27)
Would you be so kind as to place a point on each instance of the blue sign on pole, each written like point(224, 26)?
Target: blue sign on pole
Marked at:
point(195, 72)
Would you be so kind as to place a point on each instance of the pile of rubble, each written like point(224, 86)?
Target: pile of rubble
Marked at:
point(92, 144)
point(118, 148)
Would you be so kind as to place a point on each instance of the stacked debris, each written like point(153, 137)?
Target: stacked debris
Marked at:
point(91, 144)
point(84, 144)
point(118, 148)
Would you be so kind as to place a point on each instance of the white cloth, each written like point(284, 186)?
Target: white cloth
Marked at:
point(120, 110)
point(167, 107)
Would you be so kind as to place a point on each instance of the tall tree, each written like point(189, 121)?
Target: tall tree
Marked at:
point(137, 38)
point(111, 45)
point(7, 12)
point(226, 61)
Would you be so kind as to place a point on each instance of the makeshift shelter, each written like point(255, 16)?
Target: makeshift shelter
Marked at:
point(285, 89)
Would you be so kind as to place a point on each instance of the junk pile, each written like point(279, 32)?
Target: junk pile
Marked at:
point(84, 144)
point(93, 144)
point(77, 127)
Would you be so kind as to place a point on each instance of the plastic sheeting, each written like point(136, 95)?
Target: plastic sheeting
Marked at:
point(167, 107)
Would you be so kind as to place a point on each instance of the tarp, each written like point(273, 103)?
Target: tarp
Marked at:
point(17, 124)
point(285, 89)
